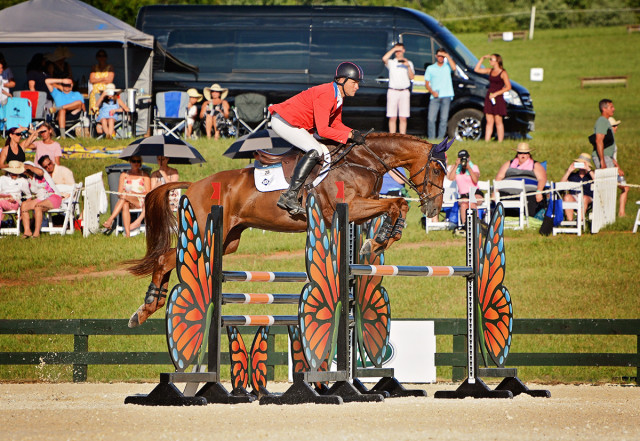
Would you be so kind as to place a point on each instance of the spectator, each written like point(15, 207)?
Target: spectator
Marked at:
point(58, 66)
point(523, 167)
point(466, 174)
point(61, 175)
point(36, 76)
point(614, 126)
point(215, 111)
point(13, 186)
point(111, 106)
point(437, 79)
point(163, 175)
point(5, 93)
point(392, 184)
point(401, 73)
point(101, 75)
point(192, 112)
point(133, 186)
point(13, 149)
point(46, 147)
point(46, 197)
point(7, 73)
point(605, 149)
point(579, 171)
point(65, 100)
point(495, 107)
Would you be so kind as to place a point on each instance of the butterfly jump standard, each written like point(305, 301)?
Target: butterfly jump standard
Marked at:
point(321, 330)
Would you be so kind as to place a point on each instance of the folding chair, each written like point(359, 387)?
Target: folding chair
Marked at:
point(637, 221)
point(70, 207)
point(15, 227)
point(170, 113)
point(449, 199)
point(73, 122)
point(121, 128)
point(39, 105)
point(517, 198)
point(135, 212)
point(577, 225)
point(485, 187)
point(16, 113)
point(251, 113)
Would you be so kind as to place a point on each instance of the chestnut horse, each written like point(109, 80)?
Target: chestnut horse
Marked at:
point(360, 168)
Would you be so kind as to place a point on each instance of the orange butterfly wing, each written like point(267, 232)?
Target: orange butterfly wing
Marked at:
point(239, 358)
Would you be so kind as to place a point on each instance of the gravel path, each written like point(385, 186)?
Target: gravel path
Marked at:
point(97, 412)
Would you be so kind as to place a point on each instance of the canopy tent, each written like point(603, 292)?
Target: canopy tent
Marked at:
point(41, 25)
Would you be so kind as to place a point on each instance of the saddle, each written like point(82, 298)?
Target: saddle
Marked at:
point(288, 160)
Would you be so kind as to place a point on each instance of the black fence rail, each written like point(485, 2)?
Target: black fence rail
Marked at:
point(81, 357)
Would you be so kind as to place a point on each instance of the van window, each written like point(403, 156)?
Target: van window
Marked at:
point(330, 46)
point(420, 49)
point(272, 50)
point(210, 51)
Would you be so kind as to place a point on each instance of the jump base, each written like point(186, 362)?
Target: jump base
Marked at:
point(390, 387)
point(300, 392)
point(517, 387)
point(165, 394)
point(476, 390)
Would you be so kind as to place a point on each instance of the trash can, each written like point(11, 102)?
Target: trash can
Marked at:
point(113, 177)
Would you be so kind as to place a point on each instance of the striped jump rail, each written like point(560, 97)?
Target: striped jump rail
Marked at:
point(264, 276)
point(259, 320)
point(260, 299)
point(413, 271)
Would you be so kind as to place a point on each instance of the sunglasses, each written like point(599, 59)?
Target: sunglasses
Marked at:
point(136, 161)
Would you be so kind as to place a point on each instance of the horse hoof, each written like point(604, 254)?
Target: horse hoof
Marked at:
point(366, 248)
point(133, 321)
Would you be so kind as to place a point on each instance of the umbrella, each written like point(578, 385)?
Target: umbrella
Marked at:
point(265, 139)
point(177, 150)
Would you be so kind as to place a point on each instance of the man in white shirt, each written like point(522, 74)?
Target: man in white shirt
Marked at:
point(401, 73)
point(60, 174)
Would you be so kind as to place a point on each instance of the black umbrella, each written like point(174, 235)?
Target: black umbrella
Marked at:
point(177, 150)
point(265, 139)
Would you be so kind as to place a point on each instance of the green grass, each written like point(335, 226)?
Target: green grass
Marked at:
point(549, 277)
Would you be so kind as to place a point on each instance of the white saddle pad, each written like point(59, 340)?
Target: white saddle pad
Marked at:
point(271, 177)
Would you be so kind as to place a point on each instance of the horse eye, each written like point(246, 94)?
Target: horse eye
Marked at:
point(436, 172)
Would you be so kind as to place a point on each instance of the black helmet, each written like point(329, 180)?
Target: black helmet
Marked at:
point(347, 69)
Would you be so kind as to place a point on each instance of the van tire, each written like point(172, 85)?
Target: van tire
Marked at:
point(466, 125)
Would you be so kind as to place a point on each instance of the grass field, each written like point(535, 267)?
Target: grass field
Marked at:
point(549, 277)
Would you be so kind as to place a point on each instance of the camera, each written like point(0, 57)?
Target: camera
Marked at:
point(578, 165)
point(463, 162)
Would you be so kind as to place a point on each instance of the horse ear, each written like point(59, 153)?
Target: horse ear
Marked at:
point(443, 146)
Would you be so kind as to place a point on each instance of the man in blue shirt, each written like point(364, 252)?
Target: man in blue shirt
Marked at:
point(438, 82)
point(65, 100)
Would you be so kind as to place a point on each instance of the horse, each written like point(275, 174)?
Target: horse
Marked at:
point(360, 167)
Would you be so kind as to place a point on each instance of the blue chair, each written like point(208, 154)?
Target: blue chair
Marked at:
point(170, 113)
point(16, 113)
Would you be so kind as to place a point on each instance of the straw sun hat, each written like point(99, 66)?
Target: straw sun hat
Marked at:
point(523, 147)
point(60, 53)
point(15, 168)
point(614, 122)
point(193, 93)
point(110, 89)
point(584, 157)
point(215, 88)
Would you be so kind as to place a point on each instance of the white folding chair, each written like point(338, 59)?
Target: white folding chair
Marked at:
point(69, 208)
point(637, 222)
point(449, 199)
point(577, 225)
point(15, 229)
point(516, 197)
point(135, 212)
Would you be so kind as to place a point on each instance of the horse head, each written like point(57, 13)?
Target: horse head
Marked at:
point(429, 177)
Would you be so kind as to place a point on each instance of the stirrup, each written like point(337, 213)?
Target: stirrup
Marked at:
point(291, 204)
point(154, 292)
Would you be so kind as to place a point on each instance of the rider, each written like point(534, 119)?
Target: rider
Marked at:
point(316, 109)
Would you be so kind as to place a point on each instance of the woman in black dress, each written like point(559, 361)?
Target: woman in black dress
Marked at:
point(495, 108)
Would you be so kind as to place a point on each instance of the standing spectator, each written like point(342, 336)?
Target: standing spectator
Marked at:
point(466, 174)
point(579, 171)
point(13, 149)
point(495, 107)
point(46, 197)
point(437, 79)
point(58, 66)
point(65, 100)
point(215, 110)
point(605, 149)
point(111, 106)
point(101, 75)
point(46, 147)
point(12, 187)
point(36, 75)
point(5, 93)
point(401, 73)
point(192, 112)
point(7, 73)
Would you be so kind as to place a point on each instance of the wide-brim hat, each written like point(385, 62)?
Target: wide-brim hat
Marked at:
point(614, 122)
point(584, 157)
point(111, 88)
point(60, 53)
point(215, 88)
point(193, 93)
point(15, 167)
point(523, 147)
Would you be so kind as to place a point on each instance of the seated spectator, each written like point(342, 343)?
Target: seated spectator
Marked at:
point(5, 93)
point(13, 186)
point(579, 170)
point(13, 148)
point(466, 174)
point(101, 75)
point(65, 100)
point(111, 106)
point(46, 147)
point(61, 175)
point(133, 186)
point(57, 66)
point(215, 111)
point(524, 167)
point(7, 73)
point(392, 184)
point(163, 175)
point(192, 112)
point(46, 197)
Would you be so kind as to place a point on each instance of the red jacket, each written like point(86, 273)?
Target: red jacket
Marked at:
point(318, 108)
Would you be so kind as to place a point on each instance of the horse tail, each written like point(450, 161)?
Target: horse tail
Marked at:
point(160, 224)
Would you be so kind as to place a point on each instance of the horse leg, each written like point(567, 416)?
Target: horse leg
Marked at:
point(396, 210)
point(156, 295)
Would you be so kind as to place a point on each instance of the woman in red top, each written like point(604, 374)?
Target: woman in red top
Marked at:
point(318, 109)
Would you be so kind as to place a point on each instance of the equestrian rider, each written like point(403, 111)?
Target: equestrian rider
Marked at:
point(318, 109)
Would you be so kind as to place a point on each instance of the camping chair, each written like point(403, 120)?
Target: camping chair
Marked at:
point(517, 198)
point(449, 207)
point(11, 224)
point(70, 207)
point(39, 105)
point(577, 225)
point(121, 128)
point(251, 113)
point(16, 113)
point(135, 212)
point(75, 124)
point(170, 113)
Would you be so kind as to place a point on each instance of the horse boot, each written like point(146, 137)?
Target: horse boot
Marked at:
point(289, 200)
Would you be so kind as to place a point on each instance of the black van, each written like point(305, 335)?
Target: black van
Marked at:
point(281, 50)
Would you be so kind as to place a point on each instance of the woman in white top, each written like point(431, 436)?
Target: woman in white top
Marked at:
point(12, 187)
point(46, 197)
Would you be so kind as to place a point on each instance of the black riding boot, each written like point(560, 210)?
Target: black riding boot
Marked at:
point(289, 200)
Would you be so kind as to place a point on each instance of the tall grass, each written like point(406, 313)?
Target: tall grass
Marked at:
point(549, 277)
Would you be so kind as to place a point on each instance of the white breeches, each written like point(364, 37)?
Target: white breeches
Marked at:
point(300, 138)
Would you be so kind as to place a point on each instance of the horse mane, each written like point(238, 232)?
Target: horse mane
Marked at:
point(397, 135)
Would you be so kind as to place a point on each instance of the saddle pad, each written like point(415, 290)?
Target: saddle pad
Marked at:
point(271, 177)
